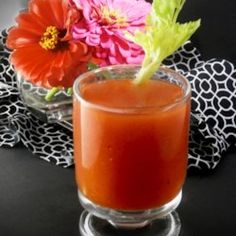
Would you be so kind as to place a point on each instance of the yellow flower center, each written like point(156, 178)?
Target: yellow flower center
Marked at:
point(49, 40)
point(112, 17)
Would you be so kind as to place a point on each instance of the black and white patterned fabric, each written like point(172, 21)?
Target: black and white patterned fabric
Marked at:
point(213, 114)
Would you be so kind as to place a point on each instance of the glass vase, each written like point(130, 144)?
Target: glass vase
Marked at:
point(57, 110)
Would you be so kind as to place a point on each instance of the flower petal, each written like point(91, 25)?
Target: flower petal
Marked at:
point(19, 37)
point(108, 34)
point(30, 23)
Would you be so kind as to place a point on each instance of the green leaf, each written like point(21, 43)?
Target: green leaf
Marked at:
point(92, 66)
point(163, 35)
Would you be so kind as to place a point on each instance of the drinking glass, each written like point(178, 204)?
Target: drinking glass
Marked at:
point(130, 150)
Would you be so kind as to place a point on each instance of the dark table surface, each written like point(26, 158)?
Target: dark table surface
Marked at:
point(40, 199)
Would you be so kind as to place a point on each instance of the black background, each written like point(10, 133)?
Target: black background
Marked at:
point(39, 199)
point(217, 34)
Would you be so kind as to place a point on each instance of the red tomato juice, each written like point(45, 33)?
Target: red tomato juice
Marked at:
point(130, 159)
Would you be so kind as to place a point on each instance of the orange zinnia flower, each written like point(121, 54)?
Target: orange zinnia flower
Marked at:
point(43, 50)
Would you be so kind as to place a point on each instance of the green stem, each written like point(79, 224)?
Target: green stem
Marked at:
point(69, 91)
point(51, 93)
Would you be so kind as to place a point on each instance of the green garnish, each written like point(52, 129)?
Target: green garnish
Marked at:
point(163, 35)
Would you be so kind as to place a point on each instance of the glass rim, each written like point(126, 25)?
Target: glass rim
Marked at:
point(146, 109)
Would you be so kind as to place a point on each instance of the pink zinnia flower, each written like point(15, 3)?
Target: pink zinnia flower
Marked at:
point(104, 25)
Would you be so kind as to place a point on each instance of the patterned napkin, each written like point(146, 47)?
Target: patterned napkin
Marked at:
point(213, 114)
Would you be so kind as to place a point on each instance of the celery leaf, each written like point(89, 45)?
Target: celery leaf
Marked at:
point(163, 35)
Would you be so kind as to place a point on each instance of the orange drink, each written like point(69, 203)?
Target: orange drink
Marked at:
point(130, 141)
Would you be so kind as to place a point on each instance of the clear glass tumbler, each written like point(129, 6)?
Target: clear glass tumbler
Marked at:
point(130, 150)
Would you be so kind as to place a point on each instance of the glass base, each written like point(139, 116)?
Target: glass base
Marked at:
point(129, 219)
point(91, 225)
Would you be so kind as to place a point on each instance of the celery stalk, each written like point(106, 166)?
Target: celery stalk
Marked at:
point(163, 35)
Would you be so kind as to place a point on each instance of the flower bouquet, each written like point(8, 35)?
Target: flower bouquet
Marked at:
point(55, 41)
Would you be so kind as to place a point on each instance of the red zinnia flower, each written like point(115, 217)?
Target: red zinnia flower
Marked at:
point(43, 50)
